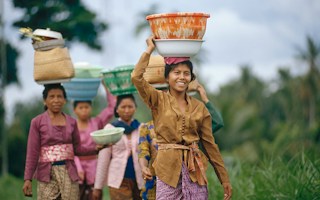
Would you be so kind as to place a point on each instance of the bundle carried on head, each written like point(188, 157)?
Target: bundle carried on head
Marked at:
point(52, 61)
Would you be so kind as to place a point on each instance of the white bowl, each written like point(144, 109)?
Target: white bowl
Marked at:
point(160, 86)
point(107, 136)
point(86, 70)
point(47, 33)
point(178, 47)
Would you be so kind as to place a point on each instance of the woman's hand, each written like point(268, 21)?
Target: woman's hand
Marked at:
point(96, 194)
point(102, 146)
point(227, 191)
point(146, 173)
point(150, 44)
point(81, 176)
point(202, 92)
point(27, 188)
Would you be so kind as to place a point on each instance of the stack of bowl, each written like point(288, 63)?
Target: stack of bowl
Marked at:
point(118, 80)
point(178, 34)
point(84, 86)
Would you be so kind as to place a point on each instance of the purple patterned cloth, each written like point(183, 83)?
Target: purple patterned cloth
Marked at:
point(185, 190)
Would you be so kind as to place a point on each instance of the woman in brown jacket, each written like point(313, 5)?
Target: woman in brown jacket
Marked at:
point(181, 122)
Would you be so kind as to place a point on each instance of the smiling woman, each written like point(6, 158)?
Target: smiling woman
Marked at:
point(52, 143)
point(180, 123)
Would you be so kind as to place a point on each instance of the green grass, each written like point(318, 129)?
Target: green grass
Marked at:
point(11, 189)
point(270, 178)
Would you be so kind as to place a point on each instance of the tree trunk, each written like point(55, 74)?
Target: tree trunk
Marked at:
point(3, 62)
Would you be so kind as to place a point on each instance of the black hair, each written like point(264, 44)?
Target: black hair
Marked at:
point(48, 87)
point(168, 68)
point(75, 103)
point(119, 100)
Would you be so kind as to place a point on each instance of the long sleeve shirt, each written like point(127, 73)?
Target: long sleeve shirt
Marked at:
point(84, 164)
point(174, 127)
point(217, 120)
point(147, 143)
point(42, 134)
point(112, 162)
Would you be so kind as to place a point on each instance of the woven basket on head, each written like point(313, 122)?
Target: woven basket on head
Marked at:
point(52, 65)
point(155, 70)
point(193, 86)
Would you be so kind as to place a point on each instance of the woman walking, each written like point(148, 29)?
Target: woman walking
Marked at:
point(118, 166)
point(181, 122)
point(52, 143)
point(86, 165)
point(148, 145)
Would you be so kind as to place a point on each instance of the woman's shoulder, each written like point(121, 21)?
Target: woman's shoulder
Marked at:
point(69, 117)
point(196, 102)
point(39, 117)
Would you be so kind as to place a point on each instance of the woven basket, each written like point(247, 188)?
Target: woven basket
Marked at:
point(52, 65)
point(155, 70)
point(119, 81)
point(193, 86)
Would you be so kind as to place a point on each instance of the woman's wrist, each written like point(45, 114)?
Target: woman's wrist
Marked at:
point(149, 50)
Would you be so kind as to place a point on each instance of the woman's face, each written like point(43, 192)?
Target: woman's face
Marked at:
point(83, 110)
point(126, 109)
point(55, 100)
point(179, 78)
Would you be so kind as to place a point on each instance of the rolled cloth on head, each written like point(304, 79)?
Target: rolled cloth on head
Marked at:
point(175, 60)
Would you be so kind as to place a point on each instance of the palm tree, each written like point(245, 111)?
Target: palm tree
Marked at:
point(143, 24)
point(310, 55)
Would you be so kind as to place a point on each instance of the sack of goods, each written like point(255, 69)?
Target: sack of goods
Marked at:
point(118, 80)
point(52, 62)
point(85, 84)
point(178, 34)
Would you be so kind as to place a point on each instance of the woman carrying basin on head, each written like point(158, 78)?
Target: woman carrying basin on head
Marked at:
point(148, 145)
point(86, 165)
point(53, 141)
point(181, 122)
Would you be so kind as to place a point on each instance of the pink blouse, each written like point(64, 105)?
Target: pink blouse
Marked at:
point(112, 162)
point(42, 134)
point(86, 165)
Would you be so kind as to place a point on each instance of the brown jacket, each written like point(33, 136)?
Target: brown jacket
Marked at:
point(174, 127)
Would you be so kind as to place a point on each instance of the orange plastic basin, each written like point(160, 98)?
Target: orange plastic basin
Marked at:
point(181, 25)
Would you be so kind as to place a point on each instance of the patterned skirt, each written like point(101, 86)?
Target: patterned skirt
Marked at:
point(185, 190)
point(59, 187)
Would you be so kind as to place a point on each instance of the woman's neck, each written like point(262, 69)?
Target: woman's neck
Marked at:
point(180, 96)
point(181, 99)
point(126, 121)
point(54, 114)
point(57, 118)
point(82, 124)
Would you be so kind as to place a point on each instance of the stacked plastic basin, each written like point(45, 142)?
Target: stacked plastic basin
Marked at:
point(178, 34)
point(85, 85)
point(118, 80)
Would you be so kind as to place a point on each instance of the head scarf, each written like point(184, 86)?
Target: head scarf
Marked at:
point(175, 60)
